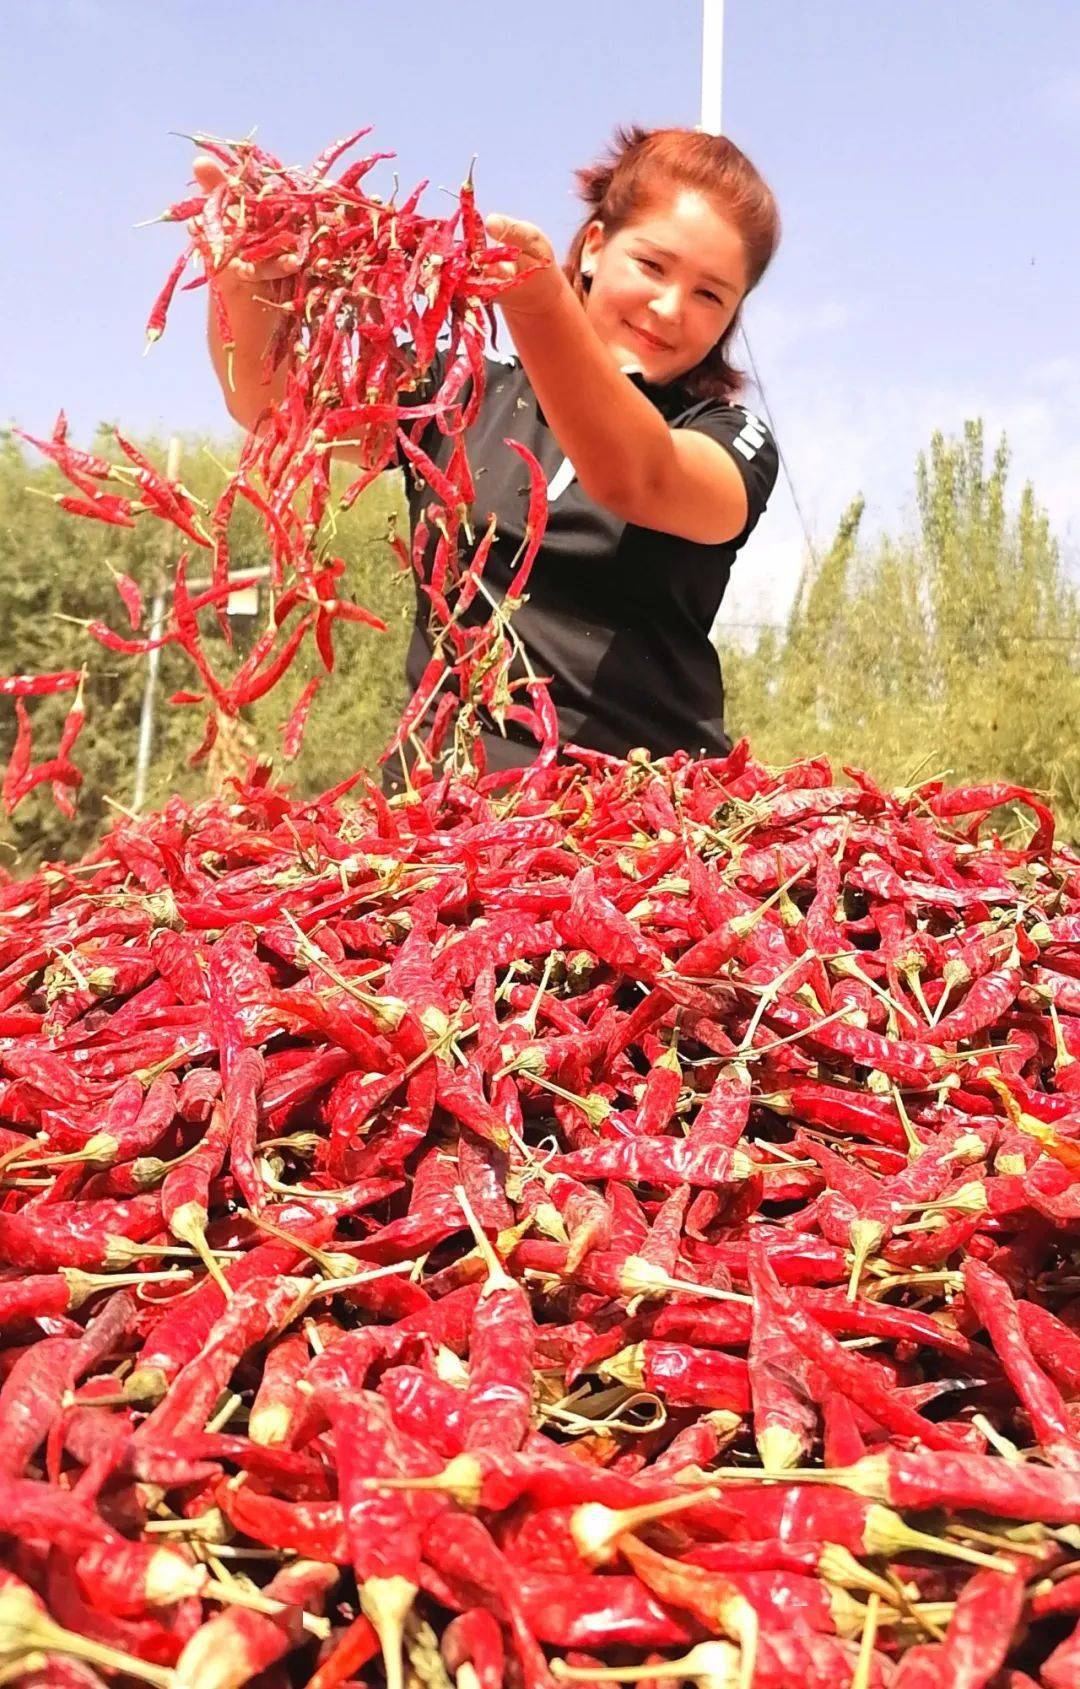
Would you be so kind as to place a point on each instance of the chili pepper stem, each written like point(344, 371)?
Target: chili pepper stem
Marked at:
point(595, 1109)
point(713, 1665)
point(1011, 1541)
point(866, 1236)
point(860, 1678)
point(888, 1534)
point(330, 1286)
point(461, 1478)
point(25, 1629)
point(894, 1281)
point(748, 1649)
point(236, 1595)
point(529, 1018)
point(595, 1527)
point(386, 1603)
point(189, 1224)
point(327, 1263)
point(498, 1278)
point(837, 1565)
point(778, 1447)
point(768, 995)
point(204, 1527)
point(19, 1669)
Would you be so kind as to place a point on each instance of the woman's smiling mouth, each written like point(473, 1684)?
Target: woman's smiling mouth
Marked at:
point(648, 339)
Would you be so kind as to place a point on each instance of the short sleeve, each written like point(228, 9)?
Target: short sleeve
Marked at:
point(751, 445)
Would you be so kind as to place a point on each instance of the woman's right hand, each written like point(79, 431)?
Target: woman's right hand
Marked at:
point(246, 290)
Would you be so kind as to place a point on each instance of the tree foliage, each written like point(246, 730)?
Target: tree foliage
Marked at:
point(54, 565)
point(954, 646)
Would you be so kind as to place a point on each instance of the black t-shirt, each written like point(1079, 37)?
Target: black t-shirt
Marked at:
point(619, 616)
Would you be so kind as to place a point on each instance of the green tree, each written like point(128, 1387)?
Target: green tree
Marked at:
point(952, 646)
point(55, 566)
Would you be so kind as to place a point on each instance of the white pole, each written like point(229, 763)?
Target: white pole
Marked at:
point(712, 66)
point(153, 661)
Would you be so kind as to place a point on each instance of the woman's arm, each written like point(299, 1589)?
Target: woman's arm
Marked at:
point(252, 322)
point(625, 455)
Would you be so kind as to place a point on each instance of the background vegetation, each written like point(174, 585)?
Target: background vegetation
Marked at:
point(54, 565)
point(955, 645)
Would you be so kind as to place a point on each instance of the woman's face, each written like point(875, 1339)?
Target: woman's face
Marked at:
point(665, 288)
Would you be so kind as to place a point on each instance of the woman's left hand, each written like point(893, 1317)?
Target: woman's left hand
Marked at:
point(535, 265)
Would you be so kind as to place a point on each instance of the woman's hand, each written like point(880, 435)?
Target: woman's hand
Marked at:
point(248, 291)
point(240, 276)
point(538, 279)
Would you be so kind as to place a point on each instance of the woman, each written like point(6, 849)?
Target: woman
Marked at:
point(623, 390)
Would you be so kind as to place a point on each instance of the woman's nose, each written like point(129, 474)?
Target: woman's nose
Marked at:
point(667, 305)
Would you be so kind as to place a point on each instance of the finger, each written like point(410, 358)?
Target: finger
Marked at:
point(207, 172)
point(274, 269)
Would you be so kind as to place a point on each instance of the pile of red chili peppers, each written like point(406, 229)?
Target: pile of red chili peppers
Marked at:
point(610, 1219)
point(603, 1221)
point(382, 328)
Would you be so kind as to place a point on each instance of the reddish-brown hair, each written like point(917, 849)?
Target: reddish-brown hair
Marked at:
point(642, 167)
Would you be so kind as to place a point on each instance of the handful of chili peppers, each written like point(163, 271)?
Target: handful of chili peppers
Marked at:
point(381, 328)
point(604, 1221)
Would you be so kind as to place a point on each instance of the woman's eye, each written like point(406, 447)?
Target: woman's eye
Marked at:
point(649, 264)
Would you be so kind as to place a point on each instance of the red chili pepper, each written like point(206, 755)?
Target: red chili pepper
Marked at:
point(498, 1402)
point(384, 1529)
point(310, 1528)
point(244, 1644)
point(155, 323)
point(103, 507)
point(848, 1371)
point(710, 1596)
point(995, 1307)
point(785, 1422)
point(922, 1479)
point(658, 1161)
point(18, 767)
point(79, 1234)
point(1054, 1343)
point(179, 1335)
point(978, 1638)
point(430, 681)
point(254, 1311)
point(474, 1639)
point(40, 685)
point(357, 1645)
point(683, 1377)
point(461, 1547)
point(535, 521)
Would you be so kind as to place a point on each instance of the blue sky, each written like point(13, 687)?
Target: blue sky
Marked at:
point(924, 156)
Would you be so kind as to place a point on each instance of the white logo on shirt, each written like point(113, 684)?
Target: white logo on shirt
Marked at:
point(560, 480)
point(752, 438)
